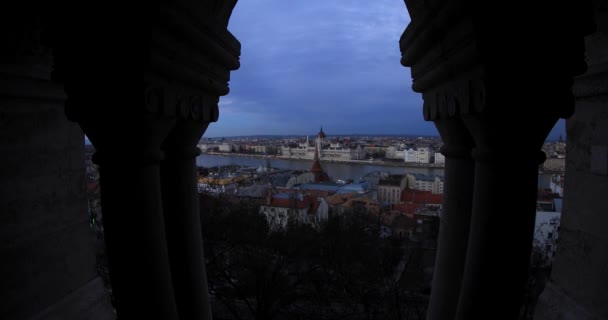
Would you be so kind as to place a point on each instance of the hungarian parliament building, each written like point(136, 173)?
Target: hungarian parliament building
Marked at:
point(326, 150)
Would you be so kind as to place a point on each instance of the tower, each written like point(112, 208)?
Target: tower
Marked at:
point(316, 169)
point(319, 143)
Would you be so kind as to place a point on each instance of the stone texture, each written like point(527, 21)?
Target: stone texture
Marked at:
point(582, 210)
point(581, 262)
point(578, 279)
point(46, 244)
point(89, 302)
point(555, 304)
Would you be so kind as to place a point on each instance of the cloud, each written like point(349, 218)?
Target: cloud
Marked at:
point(307, 63)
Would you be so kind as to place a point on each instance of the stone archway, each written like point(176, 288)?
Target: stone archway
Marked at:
point(148, 188)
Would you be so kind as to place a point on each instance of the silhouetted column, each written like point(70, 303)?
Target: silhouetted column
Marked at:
point(133, 221)
point(455, 218)
point(182, 216)
point(504, 212)
point(509, 97)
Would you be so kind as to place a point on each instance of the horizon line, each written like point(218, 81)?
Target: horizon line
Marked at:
point(310, 135)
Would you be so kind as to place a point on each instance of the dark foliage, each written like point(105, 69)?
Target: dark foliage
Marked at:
point(341, 270)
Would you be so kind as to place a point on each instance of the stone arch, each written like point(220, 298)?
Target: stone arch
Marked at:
point(188, 54)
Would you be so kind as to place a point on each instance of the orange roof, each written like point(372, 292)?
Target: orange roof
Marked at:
point(421, 197)
point(293, 202)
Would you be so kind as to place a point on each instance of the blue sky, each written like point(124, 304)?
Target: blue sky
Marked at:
point(319, 62)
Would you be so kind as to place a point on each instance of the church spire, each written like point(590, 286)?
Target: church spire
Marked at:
point(316, 169)
point(321, 134)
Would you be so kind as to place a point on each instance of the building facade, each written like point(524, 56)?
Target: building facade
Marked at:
point(433, 184)
point(284, 208)
point(390, 188)
point(228, 147)
point(326, 150)
point(439, 158)
point(417, 155)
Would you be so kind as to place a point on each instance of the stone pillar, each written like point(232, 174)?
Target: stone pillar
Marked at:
point(134, 226)
point(151, 218)
point(464, 69)
point(580, 268)
point(504, 212)
point(455, 218)
point(47, 247)
point(182, 216)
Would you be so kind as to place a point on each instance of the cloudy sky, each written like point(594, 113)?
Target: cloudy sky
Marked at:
point(318, 62)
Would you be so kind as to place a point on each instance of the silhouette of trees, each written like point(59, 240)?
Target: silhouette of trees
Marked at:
point(341, 270)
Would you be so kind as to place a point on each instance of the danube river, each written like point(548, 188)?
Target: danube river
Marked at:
point(336, 170)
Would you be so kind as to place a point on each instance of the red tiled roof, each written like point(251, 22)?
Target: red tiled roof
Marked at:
point(293, 202)
point(422, 197)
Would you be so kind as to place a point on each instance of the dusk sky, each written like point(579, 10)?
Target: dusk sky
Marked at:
point(310, 63)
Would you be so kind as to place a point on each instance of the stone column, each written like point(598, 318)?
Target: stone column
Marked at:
point(455, 218)
point(579, 269)
point(504, 212)
point(134, 225)
point(182, 216)
point(509, 96)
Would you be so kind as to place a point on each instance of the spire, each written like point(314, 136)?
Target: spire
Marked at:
point(316, 169)
point(321, 133)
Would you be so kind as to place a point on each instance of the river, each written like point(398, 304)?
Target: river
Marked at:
point(335, 170)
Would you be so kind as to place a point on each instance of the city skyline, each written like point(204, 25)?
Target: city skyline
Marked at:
point(317, 62)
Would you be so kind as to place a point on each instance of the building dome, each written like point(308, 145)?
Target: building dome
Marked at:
point(321, 134)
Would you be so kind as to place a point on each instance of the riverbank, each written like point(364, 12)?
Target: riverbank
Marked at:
point(360, 162)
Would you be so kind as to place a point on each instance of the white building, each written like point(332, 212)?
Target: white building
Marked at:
point(227, 147)
point(557, 184)
point(326, 150)
point(205, 147)
point(434, 184)
point(284, 208)
point(390, 188)
point(395, 153)
point(545, 237)
point(417, 155)
point(439, 158)
point(263, 149)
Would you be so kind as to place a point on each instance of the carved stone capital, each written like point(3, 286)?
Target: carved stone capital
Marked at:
point(190, 47)
point(457, 140)
point(181, 102)
point(456, 98)
point(466, 57)
point(182, 140)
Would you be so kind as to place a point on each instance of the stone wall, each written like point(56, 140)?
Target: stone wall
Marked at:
point(578, 279)
point(46, 244)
